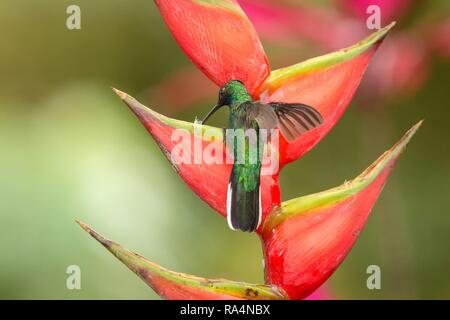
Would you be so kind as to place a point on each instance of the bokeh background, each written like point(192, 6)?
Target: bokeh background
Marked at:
point(69, 149)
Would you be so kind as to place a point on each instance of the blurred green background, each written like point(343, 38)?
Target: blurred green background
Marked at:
point(71, 150)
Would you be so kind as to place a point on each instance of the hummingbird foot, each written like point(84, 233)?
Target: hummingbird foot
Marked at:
point(197, 121)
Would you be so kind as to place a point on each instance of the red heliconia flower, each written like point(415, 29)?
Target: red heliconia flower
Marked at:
point(221, 49)
point(304, 239)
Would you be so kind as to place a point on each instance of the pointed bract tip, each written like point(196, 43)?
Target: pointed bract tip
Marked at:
point(418, 124)
point(378, 36)
point(393, 152)
point(131, 102)
point(122, 95)
point(105, 242)
point(411, 132)
point(383, 32)
point(391, 25)
point(84, 226)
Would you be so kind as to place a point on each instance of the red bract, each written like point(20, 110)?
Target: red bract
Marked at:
point(307, 238)
point(218, 38)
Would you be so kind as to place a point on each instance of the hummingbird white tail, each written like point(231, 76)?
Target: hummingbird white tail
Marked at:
point(244, 209)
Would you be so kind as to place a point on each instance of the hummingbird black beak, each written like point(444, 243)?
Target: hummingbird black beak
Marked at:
point(212, 111)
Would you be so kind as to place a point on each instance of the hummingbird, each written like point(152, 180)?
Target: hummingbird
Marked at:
point(244, 190)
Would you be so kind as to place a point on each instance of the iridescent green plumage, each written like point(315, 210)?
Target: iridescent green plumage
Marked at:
point(240, 101)
point(243, 199)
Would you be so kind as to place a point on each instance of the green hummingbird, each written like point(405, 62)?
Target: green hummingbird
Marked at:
point(292, 119)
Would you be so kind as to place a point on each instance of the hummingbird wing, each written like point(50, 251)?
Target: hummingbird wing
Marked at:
point(263, 114)
point(293, 119)
point(265, 117)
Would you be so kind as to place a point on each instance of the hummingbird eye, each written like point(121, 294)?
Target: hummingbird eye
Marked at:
point(221, 92)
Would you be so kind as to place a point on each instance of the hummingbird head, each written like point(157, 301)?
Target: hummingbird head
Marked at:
point(232, 93)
